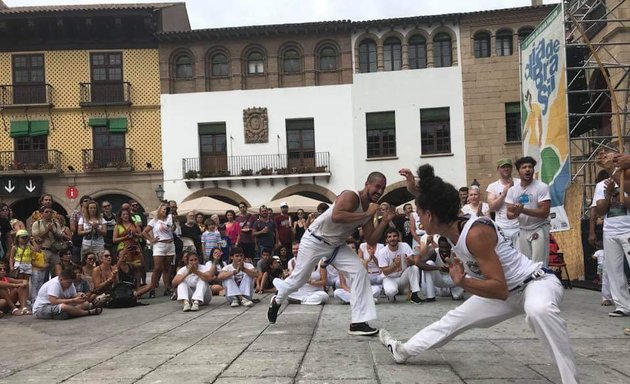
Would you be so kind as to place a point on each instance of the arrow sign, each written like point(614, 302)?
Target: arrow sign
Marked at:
point(9, 188)
point(30, 187)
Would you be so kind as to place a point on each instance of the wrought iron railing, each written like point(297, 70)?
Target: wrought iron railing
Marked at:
point(256, 165)
point(97, 158)
point(31, 94)
point(105, 93)
point(35, 160)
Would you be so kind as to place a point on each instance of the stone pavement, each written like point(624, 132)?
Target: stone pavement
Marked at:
point(160, 344)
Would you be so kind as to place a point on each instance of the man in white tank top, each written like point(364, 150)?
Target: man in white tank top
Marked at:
point(326, 238)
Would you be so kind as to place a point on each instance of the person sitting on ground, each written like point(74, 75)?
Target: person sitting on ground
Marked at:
point(274, 270)
point(191, 282)
point(20, 256)
point(103, 276)
point(217, 262)
point(238, 279)
point(12, 292)
point(434, 265)
point(313, 292)
point(57, 299)
point(343, 292)
point(65, 261)
point(262, 266)
point(80, 284)
point(367, 254)
point(88, 268)
point(398, 267)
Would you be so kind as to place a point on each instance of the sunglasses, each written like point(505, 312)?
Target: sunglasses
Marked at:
point(107, 255)
point(90, 259)
point(23, 237)
point(106, 206)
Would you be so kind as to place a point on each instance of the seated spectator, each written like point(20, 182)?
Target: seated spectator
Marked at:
point(367, 254)
point(435, 277)
point(262, 266)
point(273, 271)
point(217, 262)
point(283, 252)
point(313, 292)
point(127, 276)
point(57, 299)
point(20, 256)
point(65, 261)
point(13, 292)
point(88, 268)
point(192, 284)
point(103, 276)
point(288, 269)
point(80, 284)
point(399, 271)
point(343, 292)
point(238, 279)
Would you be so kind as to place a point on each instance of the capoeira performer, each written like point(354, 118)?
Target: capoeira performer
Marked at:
point(503, 281)
point(326, 238)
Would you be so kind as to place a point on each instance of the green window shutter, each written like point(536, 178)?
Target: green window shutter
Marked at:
point(117, 125)
point(434, 114)
point(97, 122)
point(380, 120)
point(512, 107)
point(39, 128)
point(19, 128)
point(211, 128)
point(300, 124)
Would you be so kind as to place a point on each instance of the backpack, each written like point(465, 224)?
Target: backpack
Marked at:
point(122, 296)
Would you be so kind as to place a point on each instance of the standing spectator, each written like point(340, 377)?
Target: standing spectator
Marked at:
point(398, 267)
point(191, 235)
point(463, 196)
point(77, 240)
point(238, 279)
point(40, 267)
point(264, 231)
point(603, 276)
point(92, 229)
point(475, 206)
point(13, 291)
point(20, 256)
point(284, 226)
point(109, 221)
point(50, 232)
point(159, 232)
point(529, 202)
point(321, 208)
point(200, 219)
point(126, 232)
point(192, 284)
point(209, 239)
point(497, 192)
point(225, 243)
point(299, 225)
point(403, 224)
point(232, 227)
point(5, 230)
point(245, 239)
point(58, 299)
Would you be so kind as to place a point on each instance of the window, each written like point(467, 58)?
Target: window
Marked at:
point(28, 79)
point(300, 142)
point(109, 147)
point(107, 84)
point(442, 51)
point(291, 61)
point(504, 43)
point(435, 131)
point(212, 147)
point(524, 32)
point(183, 67)
point(417, 52)
point(220, 66)
point(512, 122)
point(328, 59)
point(32, 150)
point(255, 63)
point(392, 54)
point(367, 56)
point(482, 44)
point(381, 134)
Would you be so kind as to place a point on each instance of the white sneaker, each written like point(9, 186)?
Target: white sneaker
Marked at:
point(187, 306)
point(234, 303)
point(393, 345)
point(246, 302)
point(195, 306)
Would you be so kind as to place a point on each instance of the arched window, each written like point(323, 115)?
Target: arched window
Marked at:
point(183, 67)
point(392, 53)
point(220, 65)
point(367, 56)
point(417, 52)
point(524, 32)
point(442, 50)
point(482, 44)
point(255, 63)
point(291, 61)
point(328, 59)
point(504, 42)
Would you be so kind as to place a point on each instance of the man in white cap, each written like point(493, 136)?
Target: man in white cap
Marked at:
point(497, 192)
point(284, 228)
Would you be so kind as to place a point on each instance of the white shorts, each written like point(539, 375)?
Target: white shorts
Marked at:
point(164, 249)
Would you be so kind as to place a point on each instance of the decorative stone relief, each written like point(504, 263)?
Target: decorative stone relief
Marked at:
point(256, 125)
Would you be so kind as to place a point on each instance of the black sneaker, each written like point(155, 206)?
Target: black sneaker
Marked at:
point(416, 299)
point(272, 312)
point(618, 313)
point(429, 300)
point(362, 329)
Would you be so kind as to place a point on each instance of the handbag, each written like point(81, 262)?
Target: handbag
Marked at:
point(122, 296)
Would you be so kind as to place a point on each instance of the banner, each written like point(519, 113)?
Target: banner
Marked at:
point(544, 110)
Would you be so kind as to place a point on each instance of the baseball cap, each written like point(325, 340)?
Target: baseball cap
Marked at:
point(506, 161)
point(284, 204)
point(276, 258)
point(22, 233)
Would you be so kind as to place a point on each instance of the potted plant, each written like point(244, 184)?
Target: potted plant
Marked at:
point(246, 172)
point(265, 171)
point(191, 174)
point(208, 173)
point(282, 171)
point(223, 173)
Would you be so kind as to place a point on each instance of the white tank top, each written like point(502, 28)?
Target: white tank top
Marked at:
point(516, 266)
point(336, 233)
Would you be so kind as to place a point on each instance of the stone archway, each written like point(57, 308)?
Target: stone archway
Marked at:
point(396, 194)
point(225, 195)
point(309, 190)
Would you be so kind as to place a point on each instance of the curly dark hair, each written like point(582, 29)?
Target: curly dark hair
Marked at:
point(524, 160)
point(436, 195)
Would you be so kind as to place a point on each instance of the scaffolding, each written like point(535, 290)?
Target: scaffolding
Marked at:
point(598, 84)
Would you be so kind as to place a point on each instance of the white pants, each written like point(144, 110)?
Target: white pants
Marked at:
point(312, 298)
point(310, 253)
point(511, 234)
point(534, 244)
point(435, 279)
point(245, 288)
point(615, 249)
point(409, 278)
point(198, 291)
point(539, 300)
point(605, 285)
point(343, 295)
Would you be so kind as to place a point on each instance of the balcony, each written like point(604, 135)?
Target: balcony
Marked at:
point(20, 96)
point(256, 167)
point(99, 94)
point(108, 160)
point(30, 162)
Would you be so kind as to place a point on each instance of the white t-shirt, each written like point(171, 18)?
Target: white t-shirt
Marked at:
point(469, 210)
point(239, 276)
point(92, 237)
point(372, 267)
point(617, 219)
point(192, 279)
point(599, 254)
point(52, 288)
point(500, 217)
point(162, 229)
point(386, 257)
point(530, 197)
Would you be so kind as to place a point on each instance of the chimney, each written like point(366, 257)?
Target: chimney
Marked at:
point(535, 3)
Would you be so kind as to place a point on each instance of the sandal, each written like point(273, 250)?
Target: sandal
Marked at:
point(95, 311)
point(25, 311)
point(626, 331)
point(16, 312)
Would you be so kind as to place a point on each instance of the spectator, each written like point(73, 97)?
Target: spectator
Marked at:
point(210, 239)
point(273, 271)
point(200, 219)
point(58, 299)
point(321, 208)
point(192, 284)
point(109, 221)
point(93, 230)
point(299, 225)
point(77, 240)
point(283, 253)
point(159, 231)
point(238, 279)
point(103, 276)
point(475, 206)
point(65, 261)
point(264, 231)
point(224, 243)
point(20, 256)
point(81, 285)
point(313, 292)
point(245, 239)
point(262, 266)
point(232, 227)
point(217, 262)
point(367, 254)
point(435, 277)
point(51, 232)
point(463, 196)
point(284, 226)
point(343, 292)
point(397, 264)
point(13, 291)
point(88, 268)
point(603, 276)
point(5, 230)
point(191, 235)
point(128, 234)
point(403, 224)
point(40, 267)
